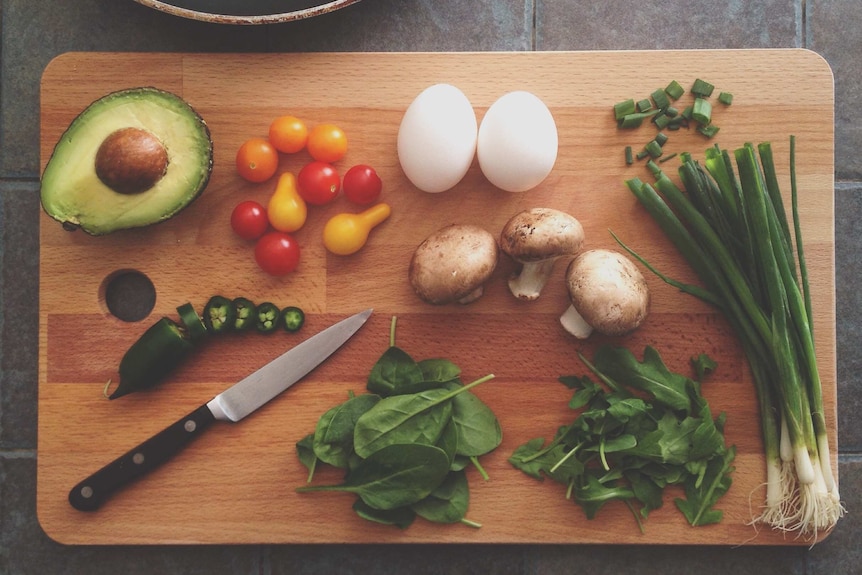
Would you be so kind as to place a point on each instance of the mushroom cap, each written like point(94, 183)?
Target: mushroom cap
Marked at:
point(452, 263)
point(541, 233)
point(608, 290)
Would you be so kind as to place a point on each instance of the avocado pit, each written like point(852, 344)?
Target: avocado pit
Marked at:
point(131, 161)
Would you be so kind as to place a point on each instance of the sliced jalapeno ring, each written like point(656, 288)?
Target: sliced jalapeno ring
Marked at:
point(219, 314)
point(152, 357)
point(292, 318)
point(245, 313)
point(192, 321)
point(268, 316)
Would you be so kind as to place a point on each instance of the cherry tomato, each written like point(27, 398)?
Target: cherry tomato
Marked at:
point(256, 160)
point(277, 253)
point(327, 143)
point(362, 185)
point(249, 220)
point(288, 134)
point(318, 183)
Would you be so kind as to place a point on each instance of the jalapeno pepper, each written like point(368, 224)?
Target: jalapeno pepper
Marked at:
point(245, 314)
point(156, 353)
point(219, 314)
point(292, 318)
point(268, 317)
point(190, 318)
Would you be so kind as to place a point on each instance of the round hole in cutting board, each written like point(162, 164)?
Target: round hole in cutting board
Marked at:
point(129, 295)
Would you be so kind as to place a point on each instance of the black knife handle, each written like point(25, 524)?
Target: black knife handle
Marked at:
point(89, 494)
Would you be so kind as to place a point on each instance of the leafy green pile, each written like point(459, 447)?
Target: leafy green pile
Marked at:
point(405, 445)
point(647, 429)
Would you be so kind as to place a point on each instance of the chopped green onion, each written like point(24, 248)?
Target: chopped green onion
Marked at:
point(644, 105)
point(642, 154)
point(624, 108)
point(702, 88)
point(629, 157)
point(661, 121)
point(660, 98)
point(663, 159)
point(708, 131)
point(653, 149)
point(686, 112)
point(701, 111)
point(661, 139)
point(725, 98)
point(675, 90)
point(671, 112)
point(635, 119)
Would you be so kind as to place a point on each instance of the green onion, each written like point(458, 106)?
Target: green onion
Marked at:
point(660, 98)
point(702, 88)
point(624, 108)
point(708, 131)
point(674, 90)
point(644, 105)
point(629, 157)
point(732, 229)
point(635, 119)
point(725, 98)
point(701, 111)
point(653, 148)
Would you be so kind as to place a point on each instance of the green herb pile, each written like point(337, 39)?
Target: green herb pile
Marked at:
point(646, 428)
point(405, 445)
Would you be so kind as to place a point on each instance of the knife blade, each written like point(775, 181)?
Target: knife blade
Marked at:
point(231, 405)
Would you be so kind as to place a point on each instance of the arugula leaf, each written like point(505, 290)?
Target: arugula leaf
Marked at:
point(651, 375)
point(701, 496)
point(624, 446)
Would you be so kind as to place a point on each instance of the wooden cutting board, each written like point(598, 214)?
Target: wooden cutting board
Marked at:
point(237, 483)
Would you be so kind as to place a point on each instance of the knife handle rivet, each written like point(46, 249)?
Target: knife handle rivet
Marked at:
point(86, 492)
point(138, 458)
point(190, 425)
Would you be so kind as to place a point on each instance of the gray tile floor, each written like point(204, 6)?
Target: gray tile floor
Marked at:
point(34, 31)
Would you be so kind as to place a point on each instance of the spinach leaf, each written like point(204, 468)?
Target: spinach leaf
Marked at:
point(401, 517)
point(448, 503)
point(333, 436)
point(449, 441)
point(414, 418)
point(439, 371)
point(305, 452)
point(395, 373)
point(477, 427)
point(394, 476)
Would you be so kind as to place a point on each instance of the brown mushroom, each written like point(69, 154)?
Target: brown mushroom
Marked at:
point(536, 239)
point(453, 264)
point(608, 294)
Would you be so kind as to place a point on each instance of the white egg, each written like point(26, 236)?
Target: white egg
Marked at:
point(517, 145)
point(437, 138)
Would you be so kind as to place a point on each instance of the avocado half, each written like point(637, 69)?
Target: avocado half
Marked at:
point(132, 158)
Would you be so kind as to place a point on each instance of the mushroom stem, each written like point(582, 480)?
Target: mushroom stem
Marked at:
point(575, 324)
point(529, 282)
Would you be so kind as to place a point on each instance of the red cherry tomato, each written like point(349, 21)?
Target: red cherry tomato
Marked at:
point(249, 220)
point(277, 253)
point(318, 183)
point(362, 185)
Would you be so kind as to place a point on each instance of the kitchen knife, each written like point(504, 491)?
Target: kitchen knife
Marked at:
point(232, 405)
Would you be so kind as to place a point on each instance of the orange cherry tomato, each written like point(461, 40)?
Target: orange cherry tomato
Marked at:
point(327, 143)
point(256, 160)
point(288, 134)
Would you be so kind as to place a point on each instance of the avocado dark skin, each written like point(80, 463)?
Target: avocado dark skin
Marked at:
point(132, 158)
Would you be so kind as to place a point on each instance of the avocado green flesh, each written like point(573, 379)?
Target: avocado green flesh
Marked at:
point(73, 194)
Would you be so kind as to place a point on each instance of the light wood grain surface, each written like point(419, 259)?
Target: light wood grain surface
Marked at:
point(237, 483)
